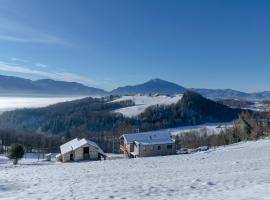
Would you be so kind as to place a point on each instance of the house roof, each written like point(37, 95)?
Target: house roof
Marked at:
point(76, 143)
point(149, 138)
point(156, 141)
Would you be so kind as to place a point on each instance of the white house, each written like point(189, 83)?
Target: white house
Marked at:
point(77, 150)
point(147, 144)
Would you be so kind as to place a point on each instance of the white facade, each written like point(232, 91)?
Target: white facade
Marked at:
point(77, 150)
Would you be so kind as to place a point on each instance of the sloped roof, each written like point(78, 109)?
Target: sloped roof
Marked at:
point(69, 146)
point(156, 141)
point(76, 143)
point(149, 138)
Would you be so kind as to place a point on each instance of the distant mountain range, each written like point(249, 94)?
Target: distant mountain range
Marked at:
point(10, 85)
point(15, 86)
point(218, 94)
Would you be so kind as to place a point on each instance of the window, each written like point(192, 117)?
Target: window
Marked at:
point(169, 146)
point(151, 148)
point(159, 147)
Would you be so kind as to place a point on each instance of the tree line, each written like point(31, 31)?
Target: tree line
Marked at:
point(250, 126)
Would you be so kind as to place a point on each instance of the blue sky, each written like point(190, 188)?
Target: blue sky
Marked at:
point(203, 44)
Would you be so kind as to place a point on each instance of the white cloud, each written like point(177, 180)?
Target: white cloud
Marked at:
point(16, 31)
point(34, 39)
point(41, 65)
point(63, 76)
point(19, 60)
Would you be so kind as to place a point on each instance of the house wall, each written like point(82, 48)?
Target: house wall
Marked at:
point(136, 149)
point(130, 147)
point(78, 154)
point(152, 150)
point(66, 157)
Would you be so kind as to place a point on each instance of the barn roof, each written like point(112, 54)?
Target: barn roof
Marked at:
point(149, 138)
point(76, 143)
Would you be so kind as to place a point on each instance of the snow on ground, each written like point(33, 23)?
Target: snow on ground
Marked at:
point(209, 128)
point(12, 103)
point(236, 172)
point(144, 101)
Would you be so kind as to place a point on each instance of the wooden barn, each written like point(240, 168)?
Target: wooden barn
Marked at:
point(147, 144)
point(77, 150)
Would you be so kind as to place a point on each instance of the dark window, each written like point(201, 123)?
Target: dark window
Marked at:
point(71, 157)
point(159, 147)
point(169, 146)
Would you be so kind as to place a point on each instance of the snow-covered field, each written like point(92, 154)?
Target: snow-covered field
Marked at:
point(143, 101)
point(11, 103)
point(239, 172)
point(209, 128)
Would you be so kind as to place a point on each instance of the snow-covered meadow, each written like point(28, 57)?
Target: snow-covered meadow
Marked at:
point(144, 101)
point(240, 171)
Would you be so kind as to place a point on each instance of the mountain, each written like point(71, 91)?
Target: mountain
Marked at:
point(233, 103)
point(152, 86)
point(217, 94)
point(94, 115)
point(14, 86)
point(221, 93)
point(62, 87)
point(260, 95)
point(194, 104)
point(165, 87)
point(10, 85)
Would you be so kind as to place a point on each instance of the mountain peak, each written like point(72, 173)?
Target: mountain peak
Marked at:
point(155, 80)
point(152, 86)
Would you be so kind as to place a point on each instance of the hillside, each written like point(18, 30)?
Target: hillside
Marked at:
point(192, 109)
point(152, 86)
point(217, 94)
point(95, 115)
point(238, 171)
point(15, 86)
point(142, 102)
point(222, 93)
point(236, 103)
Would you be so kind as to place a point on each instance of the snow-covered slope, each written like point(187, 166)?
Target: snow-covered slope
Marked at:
point(144, 101)
point(236, 172)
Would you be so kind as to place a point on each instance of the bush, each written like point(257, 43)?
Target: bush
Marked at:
point(15, 153)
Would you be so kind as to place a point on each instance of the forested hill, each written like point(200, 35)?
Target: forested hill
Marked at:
point(94, 115)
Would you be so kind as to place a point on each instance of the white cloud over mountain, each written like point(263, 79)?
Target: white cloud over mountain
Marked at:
point(56, 75)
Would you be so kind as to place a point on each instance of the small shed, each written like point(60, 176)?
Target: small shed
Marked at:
point(48, 157)
point(80, 149)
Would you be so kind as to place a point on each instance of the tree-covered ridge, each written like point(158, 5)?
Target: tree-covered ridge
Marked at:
point(94, 116)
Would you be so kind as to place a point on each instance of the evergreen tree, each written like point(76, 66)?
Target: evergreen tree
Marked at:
point(15, 153)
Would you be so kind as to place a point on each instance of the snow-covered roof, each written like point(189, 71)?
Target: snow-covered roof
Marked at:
point(76, 143)
point(156, 141)
point(149, 138)
point(58, 155)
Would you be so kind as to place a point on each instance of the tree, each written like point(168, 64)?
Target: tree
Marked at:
point(15, 153)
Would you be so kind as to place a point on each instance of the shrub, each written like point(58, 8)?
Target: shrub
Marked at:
point(15, 153)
